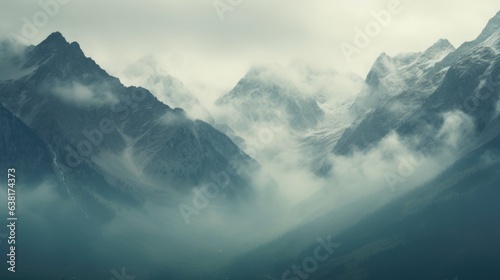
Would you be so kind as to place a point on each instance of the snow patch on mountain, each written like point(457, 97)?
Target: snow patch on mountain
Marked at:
point(391, 76)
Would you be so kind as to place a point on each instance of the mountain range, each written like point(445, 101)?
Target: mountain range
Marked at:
point(129, 157)
point(441, 229)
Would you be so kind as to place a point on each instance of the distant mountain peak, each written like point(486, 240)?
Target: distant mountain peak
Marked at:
point(53, 44)
point(56, 54)
point(258, 69)
point(54, 40)
point(440, 49)
point(56, 35)
point(380, 68)
point(385, 64)
point(147, 65)
point(442, 44)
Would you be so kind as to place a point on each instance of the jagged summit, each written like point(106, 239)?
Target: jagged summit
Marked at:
point(56, 35)
point(54, 40)
point(56, 54)
point(259, 71)
point(270, 94)
point(386, 65)
point(41, 53)
point(437, 51)
point(441, 44)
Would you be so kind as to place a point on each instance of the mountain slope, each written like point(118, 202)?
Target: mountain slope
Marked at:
point(395, 87)
point(22, 149)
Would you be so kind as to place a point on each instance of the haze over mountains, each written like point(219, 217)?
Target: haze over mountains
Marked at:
point(391, 168)
point(442, 107)
point(111, 147)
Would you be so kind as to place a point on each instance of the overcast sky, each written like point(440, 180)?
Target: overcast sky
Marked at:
point(203, 49)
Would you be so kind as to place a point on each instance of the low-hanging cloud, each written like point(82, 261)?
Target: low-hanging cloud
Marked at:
point(12, 59)
point(81, 95)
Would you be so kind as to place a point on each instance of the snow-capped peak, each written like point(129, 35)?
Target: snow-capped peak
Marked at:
point(440, 47)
